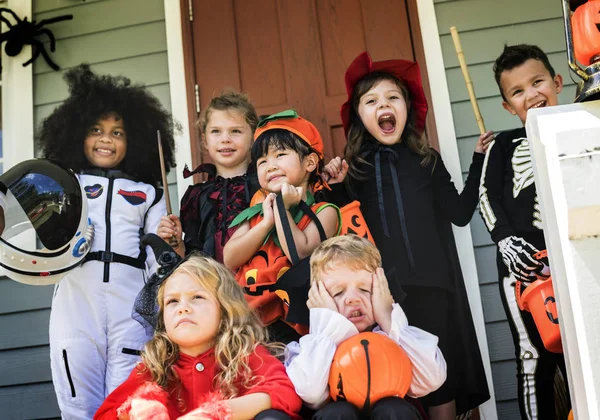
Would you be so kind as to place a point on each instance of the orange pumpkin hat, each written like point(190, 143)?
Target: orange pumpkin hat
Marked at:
point(289, 120)
point(405, 70)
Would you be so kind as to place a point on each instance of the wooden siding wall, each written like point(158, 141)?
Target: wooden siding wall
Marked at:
point(484, 27)
point(124, 37)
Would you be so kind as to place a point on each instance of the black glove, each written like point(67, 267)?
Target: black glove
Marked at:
point(518, 255)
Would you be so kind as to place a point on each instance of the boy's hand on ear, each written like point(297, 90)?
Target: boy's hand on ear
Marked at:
point(319, 297)
point(484, 142)
point(335, 171)
point(382, 301)
point(291, 195)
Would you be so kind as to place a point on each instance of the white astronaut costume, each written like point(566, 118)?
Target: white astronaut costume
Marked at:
point(94, 341)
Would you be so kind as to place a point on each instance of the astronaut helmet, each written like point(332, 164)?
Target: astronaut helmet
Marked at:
point(44, 228)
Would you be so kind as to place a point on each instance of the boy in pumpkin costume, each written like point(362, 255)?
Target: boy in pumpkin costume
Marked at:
point(274, 235)
point(349, 294)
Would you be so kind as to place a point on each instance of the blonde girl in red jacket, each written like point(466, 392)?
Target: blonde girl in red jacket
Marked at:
point(208, 357)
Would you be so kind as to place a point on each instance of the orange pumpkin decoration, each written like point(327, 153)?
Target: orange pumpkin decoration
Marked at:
point(586, 36)
point(354, 222)
point(368, 367)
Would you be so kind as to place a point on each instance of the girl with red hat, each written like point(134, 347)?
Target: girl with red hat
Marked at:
point(409, 203)
point(287, 226)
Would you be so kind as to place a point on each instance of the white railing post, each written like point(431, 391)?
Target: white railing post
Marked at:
point(565, 148)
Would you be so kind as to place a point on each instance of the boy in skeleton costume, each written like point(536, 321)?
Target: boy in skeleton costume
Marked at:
point(510, 209)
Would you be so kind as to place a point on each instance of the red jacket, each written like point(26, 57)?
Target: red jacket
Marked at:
point(197, 384)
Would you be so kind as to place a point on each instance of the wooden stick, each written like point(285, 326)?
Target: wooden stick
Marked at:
point(163, 172)
point(465, 72)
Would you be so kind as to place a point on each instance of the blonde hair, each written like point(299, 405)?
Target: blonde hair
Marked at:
point(230, 100)
point(240, 331)
point(351, 251)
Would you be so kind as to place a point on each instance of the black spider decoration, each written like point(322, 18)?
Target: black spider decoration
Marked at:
point(24, 32)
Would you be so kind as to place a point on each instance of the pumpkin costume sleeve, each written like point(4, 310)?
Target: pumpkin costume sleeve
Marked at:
point(309, 361)
point(428, 363)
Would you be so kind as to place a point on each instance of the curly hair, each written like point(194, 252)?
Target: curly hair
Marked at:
point(240, 331)
point(358, 134)
point(93, 97)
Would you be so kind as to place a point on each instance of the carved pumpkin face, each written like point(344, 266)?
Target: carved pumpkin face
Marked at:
point(368, 367)
point(354, 222)
point(586, 35)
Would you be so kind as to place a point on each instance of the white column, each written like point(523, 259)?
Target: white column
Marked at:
point(565, 147)
point(179, 108)
point(17, 97)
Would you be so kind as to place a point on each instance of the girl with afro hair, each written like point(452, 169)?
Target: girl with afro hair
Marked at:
point(106, 132)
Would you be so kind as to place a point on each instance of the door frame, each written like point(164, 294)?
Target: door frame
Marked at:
point(189, 66)
point(440, 127)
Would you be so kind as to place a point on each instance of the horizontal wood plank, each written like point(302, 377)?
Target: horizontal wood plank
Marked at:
point(40, 6)
point(500, 341)
point(101, 47)
point(35, 401)
point(24, 329)
point(25, 366)
point(484, 83)
point(492, 305)
point(504, 375)
point(485, 45)
point(508, 410)
point(493, 13)
point(479, 232)
point(485, 258)
point(122, 13)
point(150, 70)
point(496, 118)
point(15, 296)
point(163, 94)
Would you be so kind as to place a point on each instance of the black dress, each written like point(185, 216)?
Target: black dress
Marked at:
point(409, 209)
point(208, 208)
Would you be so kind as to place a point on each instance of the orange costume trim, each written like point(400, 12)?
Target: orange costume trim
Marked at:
point(258, 276)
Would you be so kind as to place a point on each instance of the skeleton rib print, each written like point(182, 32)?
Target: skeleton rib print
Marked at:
point(522, 167)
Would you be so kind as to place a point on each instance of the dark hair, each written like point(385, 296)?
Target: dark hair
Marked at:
point(230, 99)
point(358, 134)
point(93, 97)
point(514, 56)
point(282, 139)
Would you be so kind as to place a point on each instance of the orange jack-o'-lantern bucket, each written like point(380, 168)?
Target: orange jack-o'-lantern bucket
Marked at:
point(368, 367)
point(586, 35)
point(354, 222)
point(538, 298)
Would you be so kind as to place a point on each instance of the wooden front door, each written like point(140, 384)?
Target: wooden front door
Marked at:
point(291, 53)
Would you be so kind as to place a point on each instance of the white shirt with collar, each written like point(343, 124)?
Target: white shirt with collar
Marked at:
point(309, 361)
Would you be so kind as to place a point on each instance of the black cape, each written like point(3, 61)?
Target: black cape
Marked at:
point(410, 218)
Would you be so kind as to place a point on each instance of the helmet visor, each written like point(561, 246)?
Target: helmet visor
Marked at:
point(43, 197)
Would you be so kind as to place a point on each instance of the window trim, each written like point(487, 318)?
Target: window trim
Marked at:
point(17, 98)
